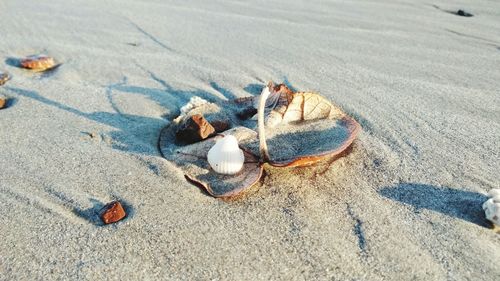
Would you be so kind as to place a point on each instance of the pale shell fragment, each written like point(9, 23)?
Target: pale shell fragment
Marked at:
point(225, 157)
point(38, 62)
point(492, 207)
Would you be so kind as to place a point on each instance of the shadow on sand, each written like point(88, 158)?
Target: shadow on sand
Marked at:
point(452, 202)
point(134, 132)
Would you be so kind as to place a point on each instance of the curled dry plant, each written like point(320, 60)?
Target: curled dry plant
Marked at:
point(292, 130)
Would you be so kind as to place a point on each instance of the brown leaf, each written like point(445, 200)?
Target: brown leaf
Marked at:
point(303, 128)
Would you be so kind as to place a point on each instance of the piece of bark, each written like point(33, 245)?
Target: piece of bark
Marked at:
point(194, 129)
point(112, 212)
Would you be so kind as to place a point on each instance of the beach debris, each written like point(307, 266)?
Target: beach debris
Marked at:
point(463, 13)
point(192, 160)
point(3, 102)
point(495, 192)
point(38, 62)
point(225, 157)
point(310, 128)
point(220, 125)
point(4, 77)
point(195, 128)
point(284, 106)
point(112, 212)
point(492, 207)
point(307, 129)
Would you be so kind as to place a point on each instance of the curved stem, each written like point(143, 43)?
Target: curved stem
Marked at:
point(264, 154)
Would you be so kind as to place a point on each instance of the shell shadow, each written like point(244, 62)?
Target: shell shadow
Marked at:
point(11, 61)
point(452, 202)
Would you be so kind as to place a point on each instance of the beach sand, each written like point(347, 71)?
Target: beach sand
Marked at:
point(405, 204)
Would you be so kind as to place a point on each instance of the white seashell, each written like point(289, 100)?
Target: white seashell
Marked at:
point(226, 157)
point(495, 192)
point(492, 210)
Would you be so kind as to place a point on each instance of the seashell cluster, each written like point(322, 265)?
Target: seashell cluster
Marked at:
point(38, 62)
point(193, 103)
point(492, 207)
point(226, 157)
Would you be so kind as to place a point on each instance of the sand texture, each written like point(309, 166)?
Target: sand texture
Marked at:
point(404, 204)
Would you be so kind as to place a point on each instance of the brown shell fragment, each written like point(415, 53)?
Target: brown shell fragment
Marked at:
point(112, 212)
point(4, 77)
point(3, 103)
point(38, 62)
point(193, 129)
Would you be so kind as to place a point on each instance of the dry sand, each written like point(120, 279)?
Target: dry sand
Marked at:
point(404, 205)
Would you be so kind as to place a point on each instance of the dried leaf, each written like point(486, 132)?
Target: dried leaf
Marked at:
point(284, 106)
point(302, 129)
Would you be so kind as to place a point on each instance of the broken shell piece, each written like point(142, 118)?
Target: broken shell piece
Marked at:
point(194, 102)
point(194, 129)
point(38, 62)
point(492, 207)
point(495, 192)
point(3, 102)
point(112, 212)
point(492, 210)
point(226, 157)
point(4, 77)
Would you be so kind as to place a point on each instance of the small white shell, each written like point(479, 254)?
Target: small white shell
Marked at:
point(225, 157)
point(492, 207)
point(495, 192)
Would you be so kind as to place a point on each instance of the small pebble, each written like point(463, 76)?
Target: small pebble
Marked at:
point(464, 13)
point(112, 212)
